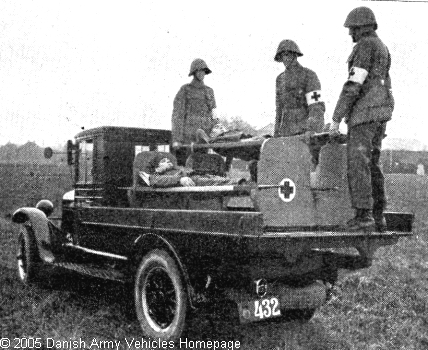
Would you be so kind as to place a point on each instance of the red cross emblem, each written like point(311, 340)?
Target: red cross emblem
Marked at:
point(315, 96)
point(287, 190)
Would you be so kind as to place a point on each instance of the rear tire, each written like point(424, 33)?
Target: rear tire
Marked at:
point(160, 297)
point(27, 257)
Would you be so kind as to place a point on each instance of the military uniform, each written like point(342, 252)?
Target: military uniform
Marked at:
point(299, 105)
point(172, 176)
point(366, 104)
point(193, 110)
point(193, 107)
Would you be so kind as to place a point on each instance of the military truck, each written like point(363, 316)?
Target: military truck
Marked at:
point(269, 245)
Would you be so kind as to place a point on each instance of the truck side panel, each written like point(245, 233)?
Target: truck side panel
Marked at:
point(287, 160)
point(304, 197)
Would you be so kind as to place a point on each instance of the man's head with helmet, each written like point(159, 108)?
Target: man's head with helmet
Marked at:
point(359, 21)
point(199, 69)
point(287, 52)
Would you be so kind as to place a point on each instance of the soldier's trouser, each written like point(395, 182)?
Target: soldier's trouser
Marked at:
point(181, 155)
point(366, 180)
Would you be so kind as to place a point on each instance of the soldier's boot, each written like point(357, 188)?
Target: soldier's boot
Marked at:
point(380, 221)
point(363, 221)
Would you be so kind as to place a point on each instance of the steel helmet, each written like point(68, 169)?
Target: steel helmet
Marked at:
point(287, 45)
point(45, 206)
point(360, 16)
point(198, 64)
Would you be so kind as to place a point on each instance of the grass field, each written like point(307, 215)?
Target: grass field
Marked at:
point(383, 307)
point(25, 184)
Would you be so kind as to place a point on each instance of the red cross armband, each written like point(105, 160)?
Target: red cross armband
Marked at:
point(357, 75)
point(313, 97)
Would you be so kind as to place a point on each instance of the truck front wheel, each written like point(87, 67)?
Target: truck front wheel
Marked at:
point(27, 256)
point(160, 297)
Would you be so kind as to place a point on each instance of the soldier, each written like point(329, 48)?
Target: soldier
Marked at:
point(299, 105)
point(193, 109)
point(366, 104)
point(163, 173)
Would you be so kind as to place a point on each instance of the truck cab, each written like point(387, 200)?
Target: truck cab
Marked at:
point(103, 161)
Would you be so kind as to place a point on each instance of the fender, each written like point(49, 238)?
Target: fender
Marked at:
point(37, 221)
point(148, 241)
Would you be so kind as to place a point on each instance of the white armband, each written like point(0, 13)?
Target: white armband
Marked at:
point(313, 97)
point(214, 113)
point(357, 75)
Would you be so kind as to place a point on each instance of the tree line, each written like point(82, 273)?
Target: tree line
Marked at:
point(29, 152)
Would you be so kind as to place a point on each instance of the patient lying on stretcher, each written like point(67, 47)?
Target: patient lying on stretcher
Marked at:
point(166, 174)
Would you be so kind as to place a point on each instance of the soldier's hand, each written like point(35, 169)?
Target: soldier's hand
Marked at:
point(334, 129)
point(186, 182)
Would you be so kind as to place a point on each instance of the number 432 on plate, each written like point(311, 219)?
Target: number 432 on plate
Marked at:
point(266, 308)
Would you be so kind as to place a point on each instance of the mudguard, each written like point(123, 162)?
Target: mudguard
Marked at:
point(39, 224)
point(153, 240)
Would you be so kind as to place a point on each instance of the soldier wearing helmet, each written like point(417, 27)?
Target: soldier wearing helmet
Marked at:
point(299, 104)
point(193, 109)
point(366, 104)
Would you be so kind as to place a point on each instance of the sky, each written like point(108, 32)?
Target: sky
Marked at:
point(68, 65)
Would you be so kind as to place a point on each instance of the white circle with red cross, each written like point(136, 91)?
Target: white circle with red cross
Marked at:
point(287, 190)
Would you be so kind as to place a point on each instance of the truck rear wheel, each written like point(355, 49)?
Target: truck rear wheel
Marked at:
point(27, 257)
point(160, 297)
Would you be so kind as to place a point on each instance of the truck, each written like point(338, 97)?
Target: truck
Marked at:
point(270, 245)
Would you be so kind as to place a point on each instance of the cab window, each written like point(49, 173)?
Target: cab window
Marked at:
point(86, 161)
point(144, 148)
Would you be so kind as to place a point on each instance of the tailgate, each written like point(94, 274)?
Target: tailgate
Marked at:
point(291, 244)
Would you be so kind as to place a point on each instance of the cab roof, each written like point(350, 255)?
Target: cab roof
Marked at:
point(119, 133)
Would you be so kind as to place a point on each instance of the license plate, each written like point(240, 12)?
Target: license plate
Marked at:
point(259, 309)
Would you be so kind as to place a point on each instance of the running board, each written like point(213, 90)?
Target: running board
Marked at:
point(84, 269)
point(96, 252)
